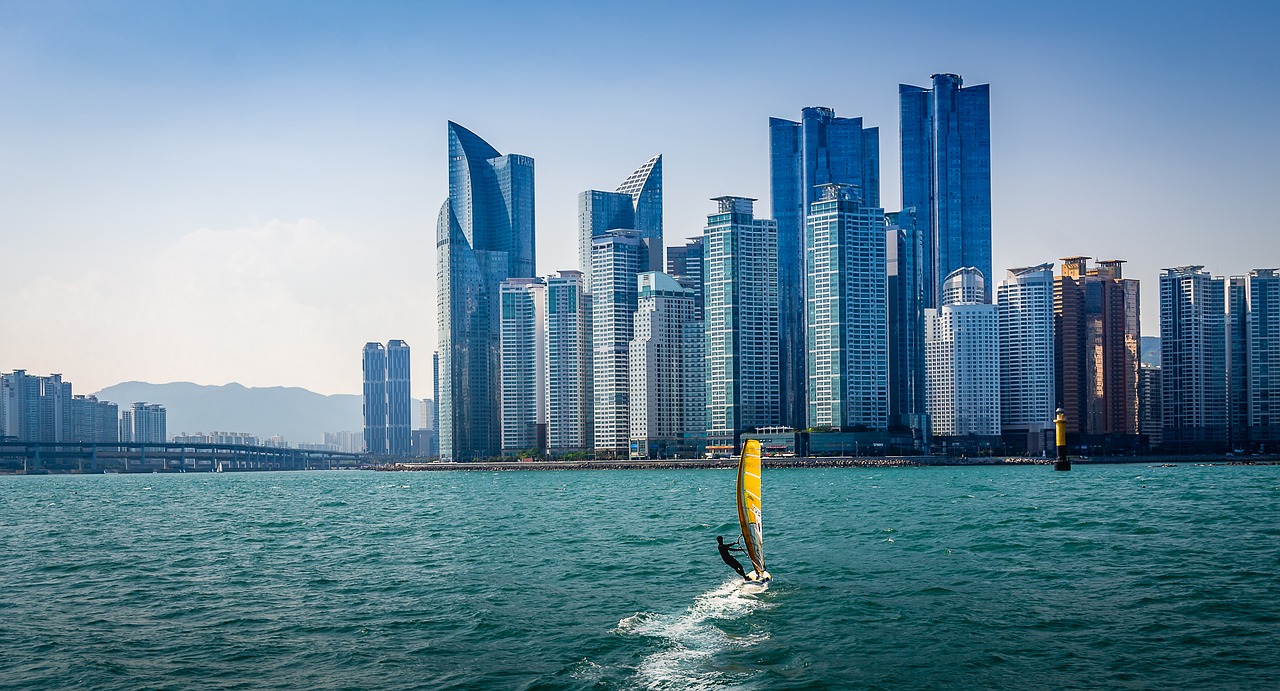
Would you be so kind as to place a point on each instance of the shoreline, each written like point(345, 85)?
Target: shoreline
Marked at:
point(823, 462)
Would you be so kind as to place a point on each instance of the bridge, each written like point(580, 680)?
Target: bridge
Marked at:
point(135, 457)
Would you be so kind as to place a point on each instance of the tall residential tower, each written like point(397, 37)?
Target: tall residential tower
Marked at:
point(946, 174)
point(819, 149)
point(484, 236)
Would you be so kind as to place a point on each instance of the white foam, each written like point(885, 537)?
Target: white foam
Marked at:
point(692, 638)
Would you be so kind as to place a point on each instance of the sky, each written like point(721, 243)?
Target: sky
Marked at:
point(247, 191)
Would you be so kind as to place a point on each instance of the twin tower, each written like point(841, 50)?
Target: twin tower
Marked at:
point(485, 235)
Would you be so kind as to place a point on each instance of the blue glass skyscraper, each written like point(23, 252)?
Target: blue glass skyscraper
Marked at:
point(484, 236)
point(946, 175)
point(636, 205)
point(820, 149)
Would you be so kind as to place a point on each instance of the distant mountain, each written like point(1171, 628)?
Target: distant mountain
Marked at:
point(296, 414)
point(1150, 350)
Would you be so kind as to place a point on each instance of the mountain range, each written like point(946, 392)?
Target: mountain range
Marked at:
point(296, 414)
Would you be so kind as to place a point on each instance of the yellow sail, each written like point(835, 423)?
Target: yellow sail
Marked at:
point(749, 504)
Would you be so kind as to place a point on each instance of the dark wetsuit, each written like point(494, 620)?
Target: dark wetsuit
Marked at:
point(728, 559)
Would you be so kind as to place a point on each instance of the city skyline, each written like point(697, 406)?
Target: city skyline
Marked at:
point(174, 166)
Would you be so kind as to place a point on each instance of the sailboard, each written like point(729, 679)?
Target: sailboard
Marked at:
point(749, 506)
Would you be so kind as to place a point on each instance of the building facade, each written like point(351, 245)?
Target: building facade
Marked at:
point(1097, 353)
point(663, 385)
point(38, 409)
point(1193, 360)
point(570, 407)
point(399, 400)
point(524, 367)
point(1150, 413)
point(1024, 302)
point(686, 265)
point(485, 235)
point(617, 257)
point(375, 398)
point(904, 293)
point(1262, 337)
point(150, 424)
point(94, 421)
point(635, 205)
point(741, 313)
point(817, 150)
point(847, 344)
point(962, 360)
point(946, 174)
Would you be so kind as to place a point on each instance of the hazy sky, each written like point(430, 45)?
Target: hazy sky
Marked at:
point(247, 191)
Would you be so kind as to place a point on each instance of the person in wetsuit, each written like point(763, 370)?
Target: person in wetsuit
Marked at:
point(726, 554)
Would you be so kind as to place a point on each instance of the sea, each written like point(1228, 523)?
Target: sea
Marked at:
point(1108, 576)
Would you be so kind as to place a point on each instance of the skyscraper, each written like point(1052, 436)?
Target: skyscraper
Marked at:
point(946, 175)
point(962, 360)
point(485, 235)
point(524, 344)
point(1193, 359)
point(848, 366)
point(149, 423)
point(435, 402)
point(685, 264)
point(1237, 330)
point(663, 384)
point(399, 400)
point(904, 279)
point(94, 421)
point(36, 408)
point(1150, 415)
point(635, 205)
point(1024, 301)
point(741, 323)
point(570, 408)
point(617, 257)
point(375, 398)
point(1262, 334)
point(819, 149)
point(1096, 352)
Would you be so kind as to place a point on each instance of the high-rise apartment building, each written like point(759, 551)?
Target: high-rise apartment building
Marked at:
point(94, 421)
point(149, 423)
point(126, 425)
point(820, 149)
point(20, 406)
point(962, 360)
point(524, 367)
point(1262, 344)
point(686, 265)
point(1150, 413)
point(905, 302)
point(946, 175)
point(1193, 359)
point(635, 205)
point(40, 409)
point(1024, 302)
point(664, 386)
point(1096, 352)
point(741, 298)
point(570, 408)
point(617, 257)
point(399, 399)
point(848, 347)
point(485, 235)
point(375, 398)
point(1237, 329)
point(435, 402)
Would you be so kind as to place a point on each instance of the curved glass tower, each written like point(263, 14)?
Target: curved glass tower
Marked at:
point(484, 235)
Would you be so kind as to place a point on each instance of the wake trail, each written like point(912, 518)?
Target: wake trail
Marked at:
point(691, 639)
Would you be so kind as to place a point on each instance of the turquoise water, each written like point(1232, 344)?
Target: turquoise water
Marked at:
point(1115, 576)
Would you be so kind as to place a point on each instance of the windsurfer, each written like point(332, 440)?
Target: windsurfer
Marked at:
point(726, 551)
